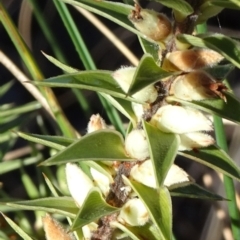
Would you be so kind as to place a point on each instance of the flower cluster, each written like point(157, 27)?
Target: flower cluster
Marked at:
point(190, 125)
point(133, 212)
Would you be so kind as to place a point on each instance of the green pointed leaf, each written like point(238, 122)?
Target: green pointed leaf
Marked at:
point(180, 6)
point(97, 80)
point(219, 71)
point(124, 106)
point(147, 231)
point(62, 66)
point(93, 208)
point(194, 191)
point(163, 149)
point(28, 107)
point(17, 229)
point(5, 87)
point(62, 205)
point(232, 4)
point(226, 46)
point(56, 142)
point(149, 48)
point(103, 145)
point(7, 166)
point(159, 206)
point(215, 106)
point(207, 10)
point(215, 158)
point(147, 72)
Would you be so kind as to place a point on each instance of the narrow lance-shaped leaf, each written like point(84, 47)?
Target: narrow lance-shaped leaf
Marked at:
point(207, 10)
point(194, 191)
point(159, 206)
point(17, 229)
point(163, 150)
point(226, 46)
point(56, 142)
point(101, 145)
point(147, 72)
point(219, 72)
point(147, 231)
point(122, 105)
point(149, 48)
point(179, 7)
point(215, 106)
point(99, 81)
point(93, 208)
point(215, 158)
point(62, 205)
point(232, 4)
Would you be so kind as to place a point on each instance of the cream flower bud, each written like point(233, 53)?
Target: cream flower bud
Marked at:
point(96, 123)
point(54, 230)
point(88, 230)
point(79, 184)
point(101, 180)
point(124, 77)
point(193, 86)
point(178, 119)
point(138, 110)
point(136, 144)
point(144, 173)
point(177, 176)
point(191, 59)
point(194, 140)
point(133, 213)
point(155, 26)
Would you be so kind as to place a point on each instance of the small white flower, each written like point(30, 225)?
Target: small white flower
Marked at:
point(193, 140)
point(96, 123)
point(79, 184)
point(88, 230)
point(193, 86)
point(144, 174)
point(101, 180)
point(136, 144)
point(178, 119)
point(133, 213)
point(124, 77)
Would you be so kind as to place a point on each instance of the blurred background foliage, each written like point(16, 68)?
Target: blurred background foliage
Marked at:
point(19, 175)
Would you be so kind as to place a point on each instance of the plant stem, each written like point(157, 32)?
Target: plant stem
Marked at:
point(228, 182)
